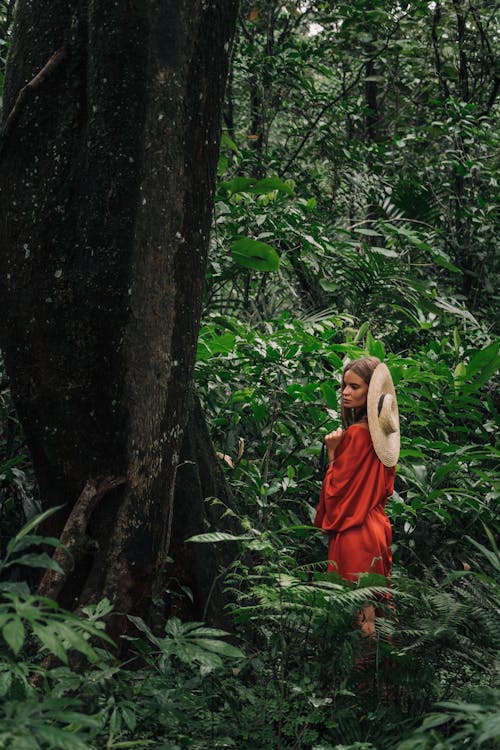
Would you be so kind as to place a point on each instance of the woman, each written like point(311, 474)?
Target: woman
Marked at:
point(360, 473)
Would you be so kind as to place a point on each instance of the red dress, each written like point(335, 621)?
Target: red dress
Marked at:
point(351, 508)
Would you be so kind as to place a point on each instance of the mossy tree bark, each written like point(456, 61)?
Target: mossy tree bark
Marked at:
point(108, 155)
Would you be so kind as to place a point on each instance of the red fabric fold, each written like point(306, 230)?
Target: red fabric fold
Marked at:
point(351, 507)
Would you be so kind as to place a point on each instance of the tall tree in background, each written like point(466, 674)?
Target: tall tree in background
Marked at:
point(108, 153)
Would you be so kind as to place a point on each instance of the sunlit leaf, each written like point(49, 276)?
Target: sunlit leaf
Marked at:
point(255, 255)
point(268, 184)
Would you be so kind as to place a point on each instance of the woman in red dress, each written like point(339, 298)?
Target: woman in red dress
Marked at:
point(360, 473)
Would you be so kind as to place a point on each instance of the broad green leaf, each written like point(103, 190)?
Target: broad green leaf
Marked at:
point(33, 560)
point(384, 251)
point(220, 647)
point(329, 392)
point(238, 184)
point(14, 634)
point(60, 738)
point(493, 557)
point(454, 310)
point(300, 531)
point(5, 683)
point(211, 632)
point(218, 536)
point(19, 588)
point(364, 327)
point(77, 641)
point(222, 164)
point(50, 639)
point(174, 627)
point(437, 256)
point(129, 717)
point(25, 743)
point(411, 453)
point(435, 720)
point(31, 541)
point(209, 346)
point(259, 411)
point(309, 240)
point(492, 540)
point(366, 232)
point(268, 184)
point(36, 521)
point(255, 255)
point(141, 625)
point(484, 358)
point(460, 371)
point(227, 141)
point(374, 347)
point(329, 286)
point(490, 729)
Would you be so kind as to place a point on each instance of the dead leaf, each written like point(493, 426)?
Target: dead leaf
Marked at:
point(226, 458)
point(241, 448)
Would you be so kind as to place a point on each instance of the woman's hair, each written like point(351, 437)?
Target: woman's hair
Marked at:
point(364, 367)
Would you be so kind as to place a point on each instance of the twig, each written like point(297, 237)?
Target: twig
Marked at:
point(32, 85)
point(73, 536)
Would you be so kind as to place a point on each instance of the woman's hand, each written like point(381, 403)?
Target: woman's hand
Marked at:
point(332, 440)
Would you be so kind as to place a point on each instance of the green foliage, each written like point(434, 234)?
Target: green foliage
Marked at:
point(192, 643)
point(445, 480)
point(379, 113)
point(24, 616)
point(253, 254)
point(265, 388)
point(297, 673)
point(302, 675)
point(94, 701)
point(18, 500)
point(355, 213)
point(474, 725)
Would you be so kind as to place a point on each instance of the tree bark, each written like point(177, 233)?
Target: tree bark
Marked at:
point(203, 503)
point(106, 180)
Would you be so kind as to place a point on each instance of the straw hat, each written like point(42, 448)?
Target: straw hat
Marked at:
point(383, 416)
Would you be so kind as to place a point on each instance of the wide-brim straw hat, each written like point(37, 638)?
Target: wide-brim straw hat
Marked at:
point(383, 416)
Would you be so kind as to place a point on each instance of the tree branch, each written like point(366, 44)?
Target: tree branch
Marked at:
point(31, 86)
point(437, 57)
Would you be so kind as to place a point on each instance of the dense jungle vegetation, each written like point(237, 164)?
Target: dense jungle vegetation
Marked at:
point(355, 213)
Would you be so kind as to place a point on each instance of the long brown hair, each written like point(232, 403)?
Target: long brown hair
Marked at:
point(364, 367)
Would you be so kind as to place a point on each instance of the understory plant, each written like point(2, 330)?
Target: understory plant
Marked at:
point(295, 672)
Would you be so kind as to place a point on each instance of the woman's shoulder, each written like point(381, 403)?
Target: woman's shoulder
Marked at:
point(356, 437)
point(358, 428)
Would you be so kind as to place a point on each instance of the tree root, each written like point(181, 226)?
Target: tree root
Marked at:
point(73, 536)
point(75, 542)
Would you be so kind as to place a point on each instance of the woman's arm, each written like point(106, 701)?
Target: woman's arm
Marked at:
point(332, 441)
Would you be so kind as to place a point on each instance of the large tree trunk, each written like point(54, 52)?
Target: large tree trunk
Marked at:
point(107, 167)
point(203, 503)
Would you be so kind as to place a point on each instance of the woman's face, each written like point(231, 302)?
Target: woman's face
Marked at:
point(354, 391)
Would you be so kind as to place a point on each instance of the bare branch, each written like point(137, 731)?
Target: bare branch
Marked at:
point(437, 57)
point(31, 86)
